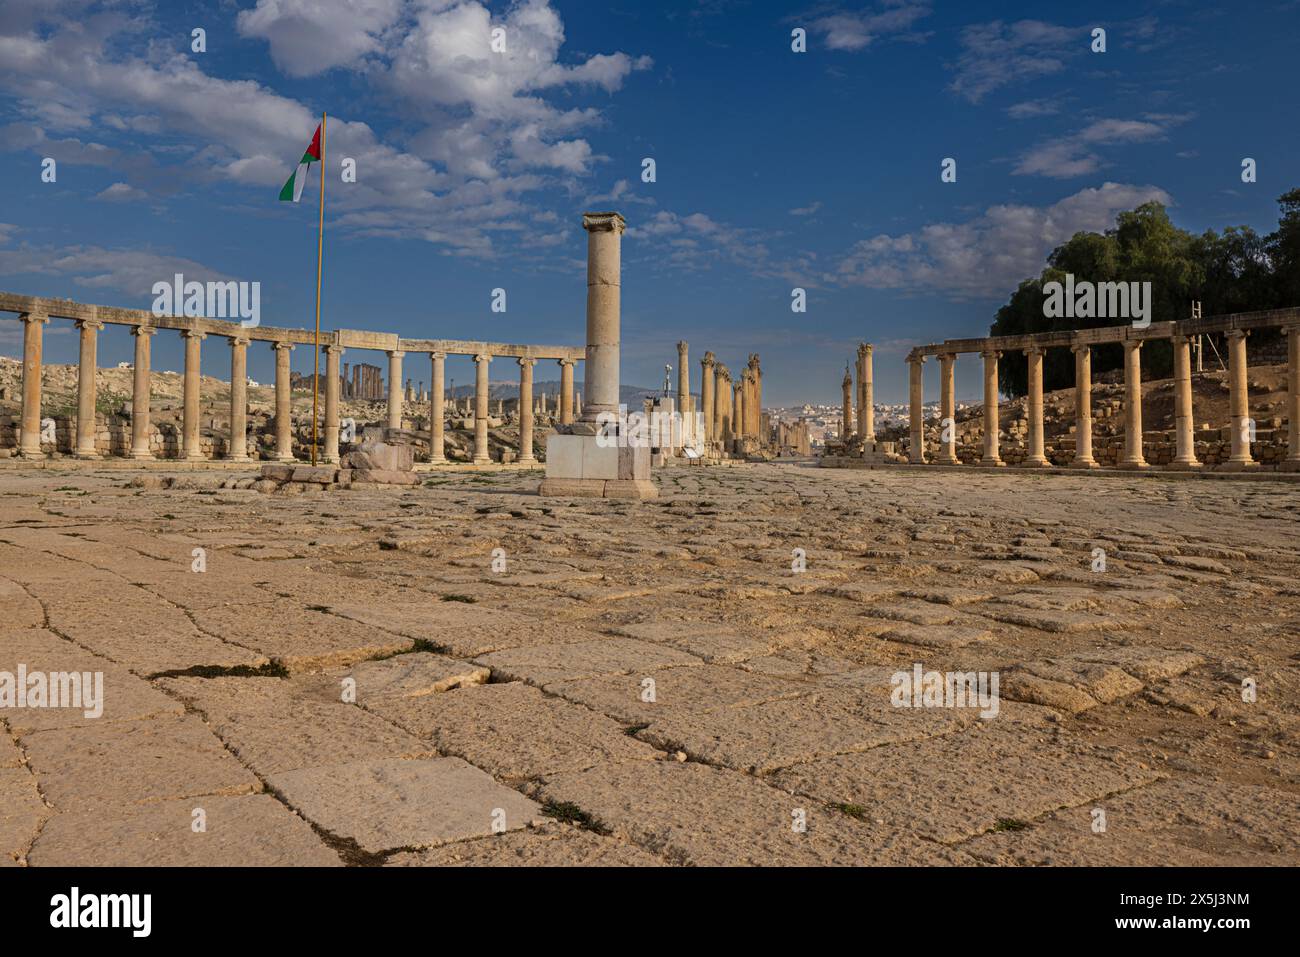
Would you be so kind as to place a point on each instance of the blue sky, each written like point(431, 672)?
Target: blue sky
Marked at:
point(775, 169)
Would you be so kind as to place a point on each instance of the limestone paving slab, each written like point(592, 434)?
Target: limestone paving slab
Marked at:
point(1169, 823)
point(133, 762)
point(543, 664)
point(249, 830)
point(708, 641)
point(126, 697)
point(690, 813)
point(22, 813)
point(957, 786)
point(299, 638)
point(274, 725)
point(514, 731)
point(397, 805)
point(548, 845)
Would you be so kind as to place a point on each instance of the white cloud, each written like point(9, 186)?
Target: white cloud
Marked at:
point(308, 37)
point(856, 30)
point(129, 271)
point(1031, 109)
point(998, 54)
point(991, 254)
point(121, 193)
point(488, 135)
point(807, 210)
point(1076, 154)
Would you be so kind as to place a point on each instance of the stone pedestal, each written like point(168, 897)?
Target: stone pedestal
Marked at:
point(591, 467)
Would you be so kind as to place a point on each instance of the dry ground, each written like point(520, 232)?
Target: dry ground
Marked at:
point(516, 698)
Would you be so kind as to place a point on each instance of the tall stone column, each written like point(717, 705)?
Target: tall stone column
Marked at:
point(708, 366)
point(481, 456)
point(330, 454)
point(916, 403)
point(1133, 453)
point(1184, 424)
point(29, 442)
point(191, 450)
point(1292, 463)
point(1239, 401)
point(1083, 408)
point(991, 426)
point(864, 353)
point(758, 401)
point(738, 412)
point(238, 399)
point(1037, 457)
point(604, 266)
point(947, 411)
point(526, 411)
point(868, 393)
point(395, 389)
point(87, 362)
point(283, 403)
point(846, 414)
point(566, 391)
point(141, 424)
point(683, 380)
point(721, 403)
point(437, 407)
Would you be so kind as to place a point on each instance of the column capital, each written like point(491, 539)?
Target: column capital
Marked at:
point(682, 346)
point(920, 360)
point(395, 353)
point(277, 346)
point(709, 359)
point(143, 330)
point(332, 349)
point(1179, 339)
point(1033, 350)
point(947, 357)
point(1236, 333)
point(864, 348)
point(603, 222)
point(193, 334)
point(437, 355)
point(567, 362)
point(483, 357)
point(525, 361)
point(1132, 345)
point(237, 341)
point(1078, 347)
point(95, 324)
point(991, 353)
point(32, 317)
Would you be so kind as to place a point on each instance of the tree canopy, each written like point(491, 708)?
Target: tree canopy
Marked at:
point(1237, 270)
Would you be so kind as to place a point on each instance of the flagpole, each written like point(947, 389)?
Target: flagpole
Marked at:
point(320, 256)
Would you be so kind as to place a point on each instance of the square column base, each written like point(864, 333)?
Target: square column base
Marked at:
point(587, 466)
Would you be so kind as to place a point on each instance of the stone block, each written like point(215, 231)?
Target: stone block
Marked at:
point(278, 473)
point(320, 475)
point(384, 476)
point(381, 457)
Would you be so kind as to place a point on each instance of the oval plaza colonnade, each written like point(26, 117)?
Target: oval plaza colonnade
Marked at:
point(36, 312)
point(1235, 327)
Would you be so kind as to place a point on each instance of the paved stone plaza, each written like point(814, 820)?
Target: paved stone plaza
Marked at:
point(355, 677)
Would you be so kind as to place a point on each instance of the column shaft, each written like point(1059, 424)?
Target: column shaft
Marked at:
point(395, 389)
point(601, 375)
point(1134, 457)
point(1239, 400)
point(85, 447)
point(916, 397)
point(868, 395)
point(1184, 424)
point(437, 408)
point(481, 455)
point(566, 391)
point(1037, 457)
point(29, 442)
point(238, 451)
point(141, 425)
point(526, 411)
point(1083, 408)
point(191, 450)
point(283, 403)
point(947, 411)
point(991, 425)
point(707, 388)
point(330, 454)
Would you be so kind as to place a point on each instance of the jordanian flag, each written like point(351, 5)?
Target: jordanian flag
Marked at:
point(292, 190)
